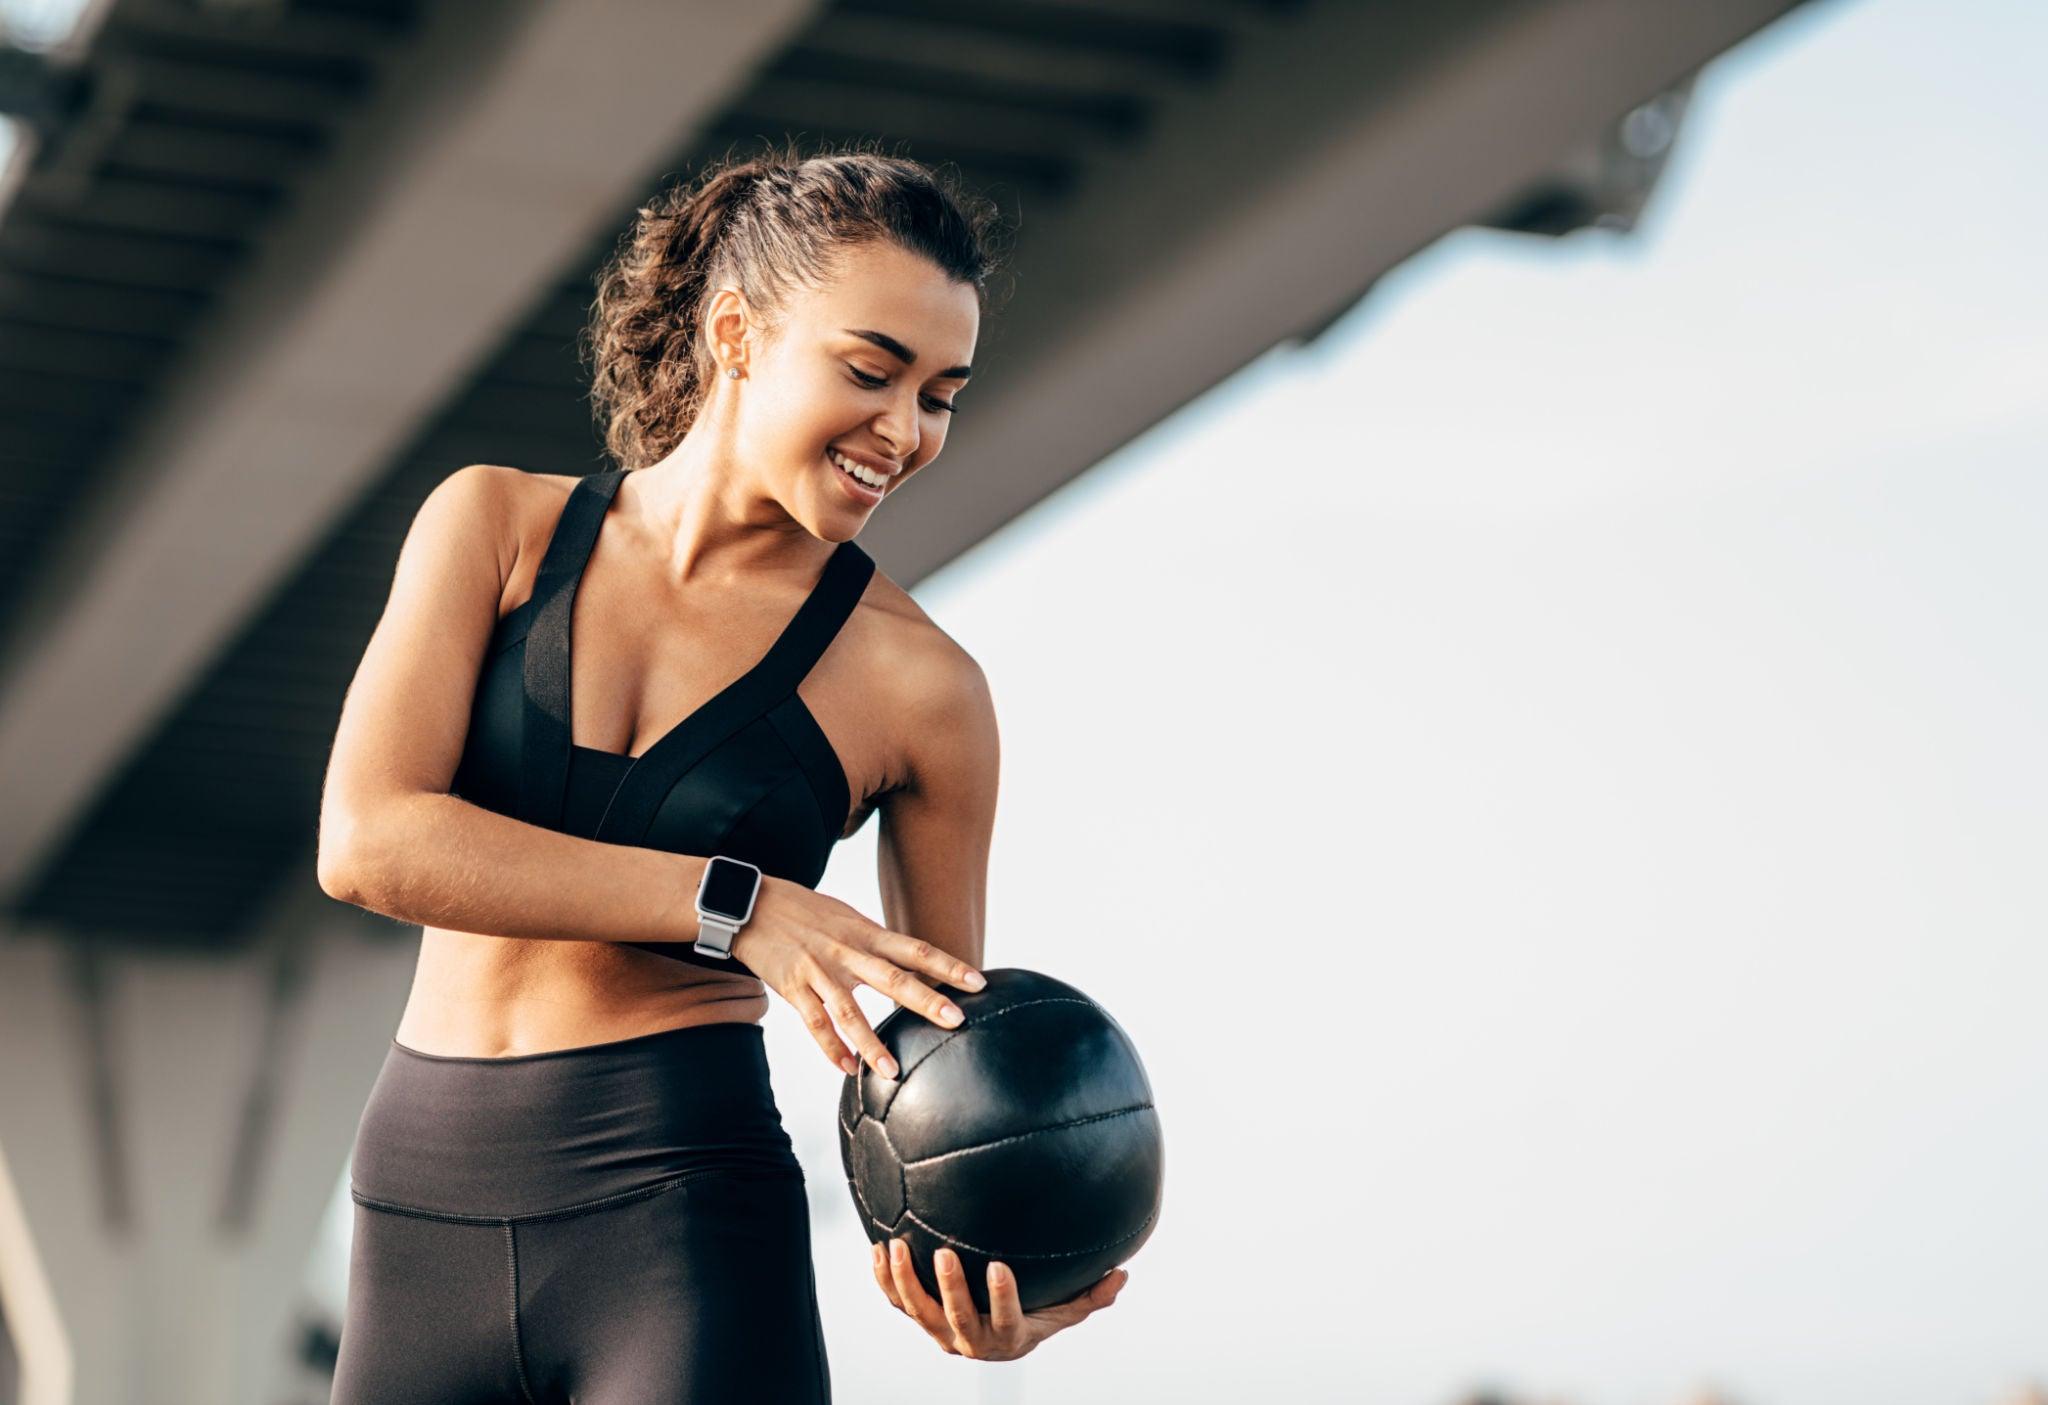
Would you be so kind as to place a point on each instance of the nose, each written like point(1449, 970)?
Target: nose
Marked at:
point(897, 429)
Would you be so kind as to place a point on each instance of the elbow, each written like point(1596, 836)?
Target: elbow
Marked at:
point(334, 879)
point(337, 875)
point(339, 861)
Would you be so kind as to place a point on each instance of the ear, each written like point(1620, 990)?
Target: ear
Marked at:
point(728, 324)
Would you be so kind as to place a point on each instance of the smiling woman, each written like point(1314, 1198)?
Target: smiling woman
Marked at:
point(767, 229)
point(613, 849)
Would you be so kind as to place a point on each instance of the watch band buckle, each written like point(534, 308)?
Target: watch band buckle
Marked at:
point(707, 925)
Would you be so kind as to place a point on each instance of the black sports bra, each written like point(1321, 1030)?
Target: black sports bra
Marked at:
point(750, 774)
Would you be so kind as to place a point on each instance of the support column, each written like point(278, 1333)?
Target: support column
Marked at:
point(62, 1248)
point(171, 1131)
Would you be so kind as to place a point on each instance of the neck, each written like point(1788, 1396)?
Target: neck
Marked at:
point(712, 520)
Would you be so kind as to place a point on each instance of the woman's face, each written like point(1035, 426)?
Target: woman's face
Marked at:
point(866, 364)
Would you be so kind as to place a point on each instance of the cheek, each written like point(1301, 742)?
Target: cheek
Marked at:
point(796, 422)
point(813, 410)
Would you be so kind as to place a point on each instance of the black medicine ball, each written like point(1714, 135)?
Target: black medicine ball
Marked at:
point(1026, 1135)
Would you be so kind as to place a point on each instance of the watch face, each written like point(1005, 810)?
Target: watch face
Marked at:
point(729, 889)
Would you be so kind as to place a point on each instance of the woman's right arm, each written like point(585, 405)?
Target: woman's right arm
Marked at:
point(440, 861)
point(393, 840)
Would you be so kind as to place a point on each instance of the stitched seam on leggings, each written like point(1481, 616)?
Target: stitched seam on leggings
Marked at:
point(564, 1212)
point(518, 1355)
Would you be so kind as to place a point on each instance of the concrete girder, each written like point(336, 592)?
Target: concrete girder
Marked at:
point(505, 141)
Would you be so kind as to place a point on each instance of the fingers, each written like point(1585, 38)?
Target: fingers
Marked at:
point(1007, 1331)
point(915, 1300)
point(1112, 1283)
point(811, 1010)
point(958, 1304)
point(865, 968)
point(1005, 1313)
point(906, 990)
point(922, 957)
point(878, 1256)
point(1100, 1294)
point(1096, 1296)
point(839, 1000)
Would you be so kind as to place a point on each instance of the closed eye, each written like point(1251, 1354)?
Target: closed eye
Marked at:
point(877, 382)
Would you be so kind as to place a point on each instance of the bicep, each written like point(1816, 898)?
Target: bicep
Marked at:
point(933, 850)
point(406, 714)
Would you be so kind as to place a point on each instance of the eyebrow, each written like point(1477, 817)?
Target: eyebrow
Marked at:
point(903, 353)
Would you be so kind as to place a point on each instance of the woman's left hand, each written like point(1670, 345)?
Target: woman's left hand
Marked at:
point(1007, 1332)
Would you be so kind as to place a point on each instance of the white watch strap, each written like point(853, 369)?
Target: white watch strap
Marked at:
point(715, 937)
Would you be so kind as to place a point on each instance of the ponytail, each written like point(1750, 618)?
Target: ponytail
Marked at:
point(763, 224)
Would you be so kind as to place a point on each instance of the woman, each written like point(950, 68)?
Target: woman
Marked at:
point(571, 1178)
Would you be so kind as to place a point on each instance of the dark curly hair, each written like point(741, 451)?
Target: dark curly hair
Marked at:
point(763, 224)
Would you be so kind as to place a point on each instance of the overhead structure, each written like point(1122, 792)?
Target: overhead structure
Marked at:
point(271, 270)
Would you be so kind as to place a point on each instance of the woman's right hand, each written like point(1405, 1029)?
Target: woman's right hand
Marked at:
point(813, 950)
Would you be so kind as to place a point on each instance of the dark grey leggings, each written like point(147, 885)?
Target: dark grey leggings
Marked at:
point(618, 1224)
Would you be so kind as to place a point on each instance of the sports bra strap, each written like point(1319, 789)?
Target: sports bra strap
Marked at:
point(544, 724)
point(750, 697)
point(818, 621)
point(544, 742)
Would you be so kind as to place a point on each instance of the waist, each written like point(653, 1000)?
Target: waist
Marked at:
point(529, 1134)
point(592, 979)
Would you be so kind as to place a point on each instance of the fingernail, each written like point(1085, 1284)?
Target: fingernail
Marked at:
point(849, 1066)
point(896, 1249)
point(974, 980)
point(999, 1272)
point(945, 1258)
point(952, 1013)
point(889, 1067)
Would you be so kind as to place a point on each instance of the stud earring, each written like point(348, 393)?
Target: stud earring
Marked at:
point(733, 371)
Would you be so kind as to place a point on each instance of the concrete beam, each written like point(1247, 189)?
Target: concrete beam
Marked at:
point(1332, 150)
point(1334, 147)
point(504, 143)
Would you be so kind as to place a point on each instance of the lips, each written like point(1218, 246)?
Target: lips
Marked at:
point(858, 490)
point(876, 465)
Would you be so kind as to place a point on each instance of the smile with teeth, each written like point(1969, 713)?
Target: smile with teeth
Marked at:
point(860, 471)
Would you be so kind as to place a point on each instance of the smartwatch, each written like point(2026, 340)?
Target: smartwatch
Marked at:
point(725, 900)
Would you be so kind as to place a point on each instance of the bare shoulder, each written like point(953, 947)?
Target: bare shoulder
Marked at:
point(536, 499)
point(516, 498)
point(919, 660)
point(532, 504)
point(935, 688)
point(473, 505)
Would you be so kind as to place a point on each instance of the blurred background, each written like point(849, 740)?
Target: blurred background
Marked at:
point(1552, 489)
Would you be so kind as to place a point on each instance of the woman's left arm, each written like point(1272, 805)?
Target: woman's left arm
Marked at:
point(932, 854)
point(934, 868)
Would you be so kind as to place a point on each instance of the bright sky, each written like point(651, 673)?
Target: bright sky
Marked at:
point(1625, 654)
point(1623, 657)
point(40, 24)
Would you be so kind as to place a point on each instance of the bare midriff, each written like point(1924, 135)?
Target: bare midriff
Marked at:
point(491, 997)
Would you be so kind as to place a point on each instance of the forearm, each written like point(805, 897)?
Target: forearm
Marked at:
point(440, 861)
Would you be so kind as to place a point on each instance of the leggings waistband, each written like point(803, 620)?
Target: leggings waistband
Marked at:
point(567, 1129)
